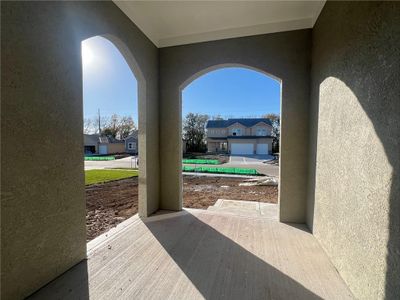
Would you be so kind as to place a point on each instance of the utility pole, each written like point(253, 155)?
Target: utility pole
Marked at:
point(99, 122)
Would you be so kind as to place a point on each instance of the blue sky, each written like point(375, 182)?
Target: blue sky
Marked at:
point(108, 82)
point(109, 85)
point(236, 92)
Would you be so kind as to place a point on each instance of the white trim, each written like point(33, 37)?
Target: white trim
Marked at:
point(235, 32)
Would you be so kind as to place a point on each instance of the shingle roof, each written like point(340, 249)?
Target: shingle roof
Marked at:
point(245, 122)
point(90, 139)
point(134, 134)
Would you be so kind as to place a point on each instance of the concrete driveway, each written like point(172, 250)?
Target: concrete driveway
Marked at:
point(127, 162)
point(258, 162)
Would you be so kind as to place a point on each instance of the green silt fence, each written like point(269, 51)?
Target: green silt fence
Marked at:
point(99, 157)
point(201, 161)
point(216, 170)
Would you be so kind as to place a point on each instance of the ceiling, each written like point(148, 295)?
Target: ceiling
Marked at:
point(170, 23)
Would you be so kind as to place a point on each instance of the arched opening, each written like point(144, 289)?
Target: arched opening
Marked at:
point(113, 88)
point(230, 116)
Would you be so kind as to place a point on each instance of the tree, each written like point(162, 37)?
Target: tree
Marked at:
point(194, 132)
point(88, 126)
point(111, 126)
point(126, 127)
point(276, 130)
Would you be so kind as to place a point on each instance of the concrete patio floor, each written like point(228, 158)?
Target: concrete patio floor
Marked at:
point(201, 254)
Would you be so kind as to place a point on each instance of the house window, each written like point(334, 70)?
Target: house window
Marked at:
point(131, 146)
point(261, 132)
point(236, 131)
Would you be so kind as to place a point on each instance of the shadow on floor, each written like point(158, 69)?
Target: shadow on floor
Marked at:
point(217, 266)
point(220, 268)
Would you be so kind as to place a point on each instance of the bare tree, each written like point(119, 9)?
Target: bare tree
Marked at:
point(125, 127)
point(111, 126)
point(88, 126)
point(276, 130)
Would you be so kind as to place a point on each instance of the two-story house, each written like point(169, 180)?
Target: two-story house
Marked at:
point(240, 136)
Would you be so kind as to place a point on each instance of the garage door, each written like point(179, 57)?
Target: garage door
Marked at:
point(103, 149)
point(241, 148)
point(262, 148)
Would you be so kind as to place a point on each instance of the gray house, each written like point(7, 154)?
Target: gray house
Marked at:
point(131, 143)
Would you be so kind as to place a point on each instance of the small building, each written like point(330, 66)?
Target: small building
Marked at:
point(91, 143)
point(131, 143)
point(96, 144)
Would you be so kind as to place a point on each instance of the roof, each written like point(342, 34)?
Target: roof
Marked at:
point(112, 140)
point(90, 139)
point(134, 135)
point(245, 122)
point(93, 139)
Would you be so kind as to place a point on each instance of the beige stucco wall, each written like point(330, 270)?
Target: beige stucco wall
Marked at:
point(244, 130)
point(43, 207)
point(116, 148)
point(284, 55)
point(217, 132)
point(253, 130)
point(354, 200)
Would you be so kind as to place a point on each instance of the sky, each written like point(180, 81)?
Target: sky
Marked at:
point(109, 85)
point(108, 82)
point(232, 92)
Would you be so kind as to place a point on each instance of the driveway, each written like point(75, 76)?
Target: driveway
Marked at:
point(127, 162)
point(258, 162)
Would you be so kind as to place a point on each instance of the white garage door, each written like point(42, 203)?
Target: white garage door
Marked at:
point(103, 149)
point(262, 148)
point(241, 148)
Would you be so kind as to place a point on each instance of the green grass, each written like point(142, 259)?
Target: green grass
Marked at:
point(100, 176)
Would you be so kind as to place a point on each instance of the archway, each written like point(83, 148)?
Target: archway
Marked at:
point(252, 151)
point(112, 143)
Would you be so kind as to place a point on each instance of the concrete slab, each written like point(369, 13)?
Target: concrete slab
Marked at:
point(199, 254)
point(246, 208)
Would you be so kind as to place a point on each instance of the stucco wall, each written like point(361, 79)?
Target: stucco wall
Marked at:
point(217, 132)
point(42, 186)
point(284, 55)
point(354, 166)
point(116, 148)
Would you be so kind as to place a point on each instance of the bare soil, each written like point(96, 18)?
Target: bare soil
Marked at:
point(222, 158)
point(111, 203)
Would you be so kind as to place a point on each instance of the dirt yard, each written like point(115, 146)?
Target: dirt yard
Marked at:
point(111, 203)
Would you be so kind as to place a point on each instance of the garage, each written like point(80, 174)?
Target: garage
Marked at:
point(238, 148)
point(103, 149)
point(262, 149)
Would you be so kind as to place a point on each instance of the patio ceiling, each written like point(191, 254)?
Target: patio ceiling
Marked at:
point(170, 23)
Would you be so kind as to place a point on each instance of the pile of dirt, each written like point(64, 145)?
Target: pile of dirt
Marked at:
point(204, 191)
point(111, 203)
point(222, 158)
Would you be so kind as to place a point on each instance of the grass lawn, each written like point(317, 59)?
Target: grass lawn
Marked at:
point(100, 176)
